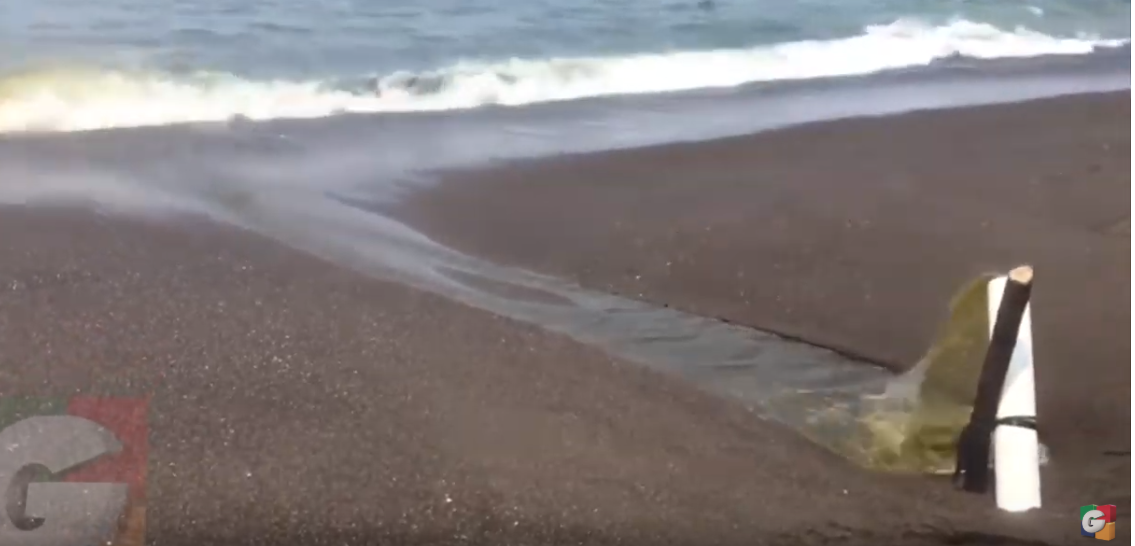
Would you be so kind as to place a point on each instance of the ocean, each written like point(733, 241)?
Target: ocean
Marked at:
point(302, 121)
point(75, 65)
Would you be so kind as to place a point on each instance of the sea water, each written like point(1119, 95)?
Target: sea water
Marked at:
point(74, 64)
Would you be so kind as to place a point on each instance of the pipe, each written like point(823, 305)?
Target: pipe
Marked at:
point(1016, 447)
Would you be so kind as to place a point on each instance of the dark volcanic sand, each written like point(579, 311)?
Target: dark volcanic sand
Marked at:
point(853, 235)
point(294, 402)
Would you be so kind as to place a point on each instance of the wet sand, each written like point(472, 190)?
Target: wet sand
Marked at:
point(853, 235)
point(294, 402)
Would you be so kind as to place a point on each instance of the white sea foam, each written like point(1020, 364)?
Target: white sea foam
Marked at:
point(84, 99)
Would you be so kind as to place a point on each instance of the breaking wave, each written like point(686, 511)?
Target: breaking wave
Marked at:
point(75, 99)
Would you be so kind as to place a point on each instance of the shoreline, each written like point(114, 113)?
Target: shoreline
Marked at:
point(947, 83)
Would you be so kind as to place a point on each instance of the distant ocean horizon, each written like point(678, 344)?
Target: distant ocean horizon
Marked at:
point(73, 65)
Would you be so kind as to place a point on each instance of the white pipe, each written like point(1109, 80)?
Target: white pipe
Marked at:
point(1016, 450)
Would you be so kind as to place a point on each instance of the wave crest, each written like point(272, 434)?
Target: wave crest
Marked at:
point(72, 99)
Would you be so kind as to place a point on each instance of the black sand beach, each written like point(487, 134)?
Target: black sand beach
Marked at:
point(295, 402)
point(853, 235)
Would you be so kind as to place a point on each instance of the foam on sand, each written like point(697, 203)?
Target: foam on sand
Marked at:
point(74, 99)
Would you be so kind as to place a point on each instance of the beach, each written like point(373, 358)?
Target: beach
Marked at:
point(295, 402)
point(854, 235)
point(552, 273)
point(298, 401)
point(796, 230)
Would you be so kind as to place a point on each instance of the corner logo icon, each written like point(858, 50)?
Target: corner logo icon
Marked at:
point(1098, 521)
point(73, 471)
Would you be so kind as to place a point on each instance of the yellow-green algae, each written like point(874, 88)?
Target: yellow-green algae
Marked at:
point(912, 426)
